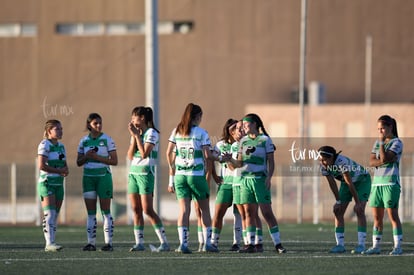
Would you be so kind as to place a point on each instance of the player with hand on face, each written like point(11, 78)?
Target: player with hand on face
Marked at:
point(143, 153)
point(386, 185)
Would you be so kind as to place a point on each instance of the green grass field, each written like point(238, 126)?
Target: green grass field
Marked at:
point(21, 252)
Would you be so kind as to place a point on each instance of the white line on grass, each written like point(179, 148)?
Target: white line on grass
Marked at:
point(203, 258)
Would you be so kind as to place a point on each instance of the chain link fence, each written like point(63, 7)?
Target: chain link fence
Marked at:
point(306, 196)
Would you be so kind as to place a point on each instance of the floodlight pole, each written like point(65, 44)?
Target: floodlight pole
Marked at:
point(368, 83)
point(302, 77)
point(151, 70)
point(151, 55)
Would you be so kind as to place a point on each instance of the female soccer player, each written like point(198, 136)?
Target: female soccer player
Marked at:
point(51, 160)
point(256, 153)
point(224, 197)
point(96, 152)
point(386, 188)
point(143, 153)
point(237, 181)
point(188, 149)
point(355, 183)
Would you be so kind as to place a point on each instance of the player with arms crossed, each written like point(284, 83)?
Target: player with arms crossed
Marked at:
point(51, 160)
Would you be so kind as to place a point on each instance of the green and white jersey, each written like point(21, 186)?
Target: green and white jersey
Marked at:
point(237, 172)
point(56, 157)
point(343, 165)
point(189, 160)
point(140, 166)
point(388, 173)
point(223, 147)
point(102, 145)
point(253, 152)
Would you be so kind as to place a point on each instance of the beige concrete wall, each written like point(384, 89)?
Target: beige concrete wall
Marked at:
point(336, 118)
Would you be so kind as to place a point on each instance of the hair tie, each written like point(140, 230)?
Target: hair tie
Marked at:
point(326, 153)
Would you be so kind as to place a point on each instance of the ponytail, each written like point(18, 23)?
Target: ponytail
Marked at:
point(190, 113)
point(148, 116)
point(259, 123)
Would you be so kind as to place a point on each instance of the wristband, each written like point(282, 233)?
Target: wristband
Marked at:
point(171, 181)
point(338, 202)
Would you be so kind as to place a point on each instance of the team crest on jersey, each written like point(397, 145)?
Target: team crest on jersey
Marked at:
point(250, 150)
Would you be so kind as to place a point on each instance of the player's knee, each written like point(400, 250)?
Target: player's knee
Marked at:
point(90, 195)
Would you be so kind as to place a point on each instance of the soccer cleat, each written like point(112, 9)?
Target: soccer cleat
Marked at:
point(337, 249)
point(372, 251)
point(396, 251)
point(280, 249)
point(137, 247)
point(200, 247)
point(210, 248)
point(89, 247)
point(259, 248)
point(107, 247)
point(358, 249)
point(235, 247)
point(248, 249)
point(59, 247)
point(183, 249)
point(52, 247)
point(164, 247)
